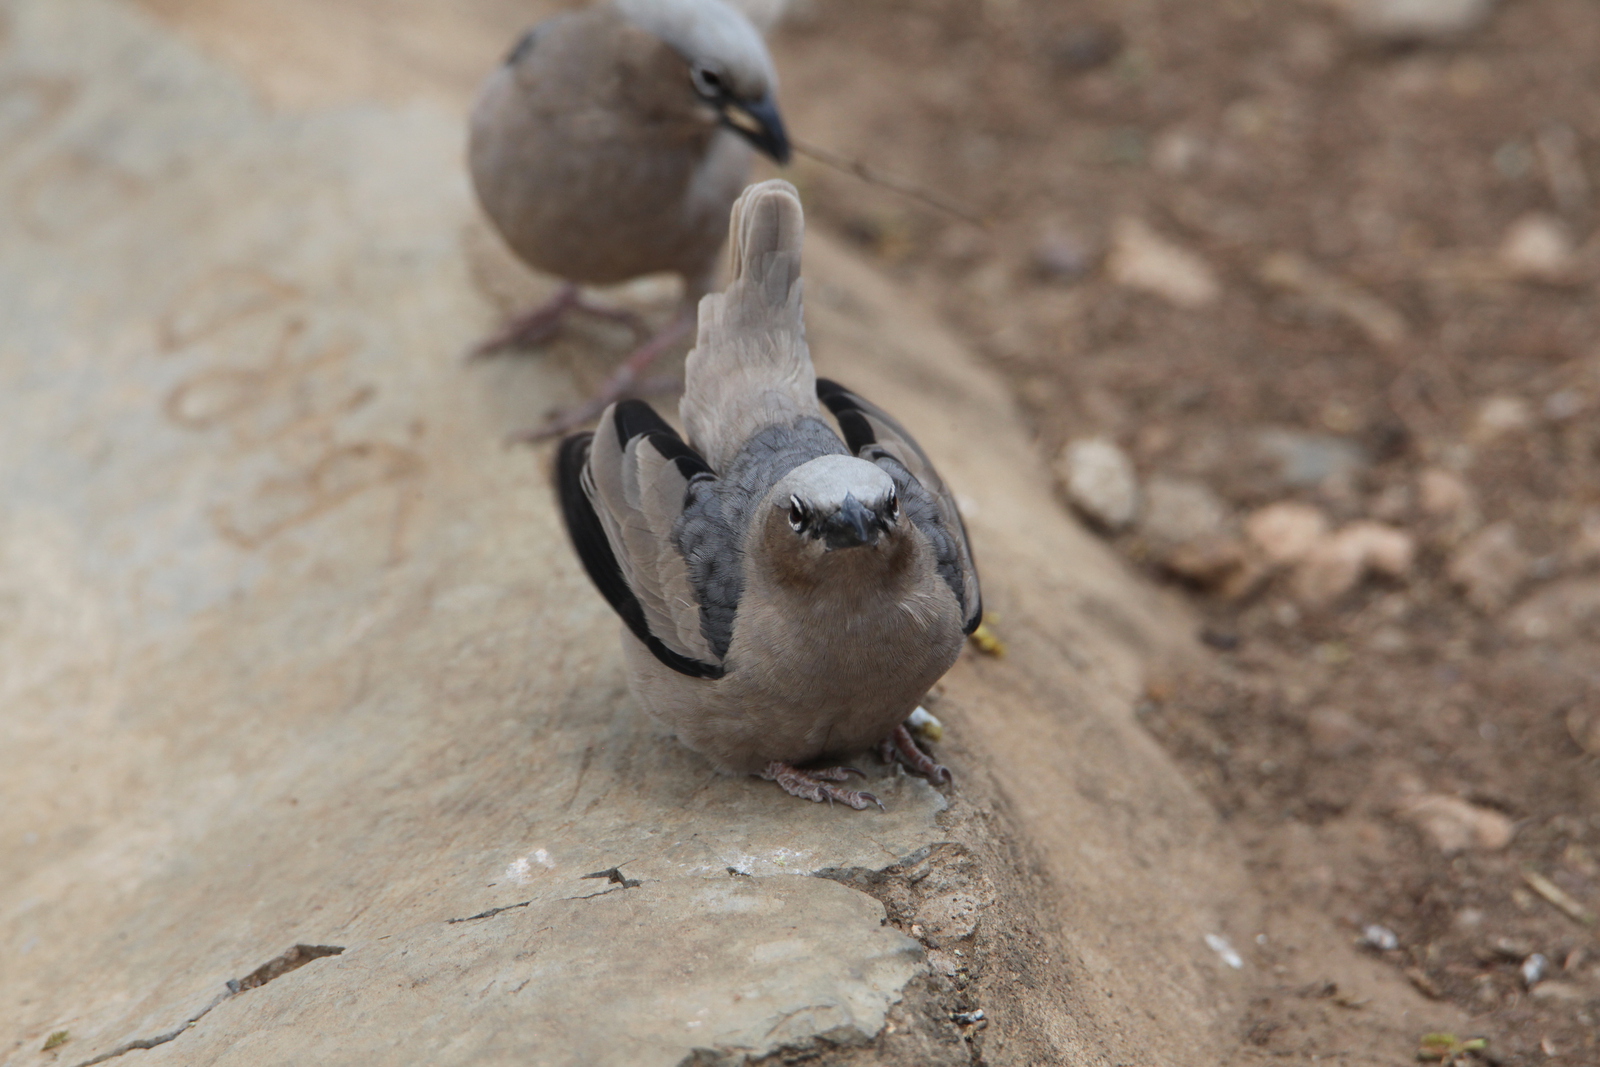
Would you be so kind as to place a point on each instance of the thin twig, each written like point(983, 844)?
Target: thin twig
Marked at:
point(1557, 897)
point(874, 177)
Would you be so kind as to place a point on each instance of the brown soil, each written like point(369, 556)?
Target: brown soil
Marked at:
point(1241, 130)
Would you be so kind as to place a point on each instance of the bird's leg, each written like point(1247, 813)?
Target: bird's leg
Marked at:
point(816, 785)
point(900, 744)
point(632, 320)
point(619, 385)
point(532, 327)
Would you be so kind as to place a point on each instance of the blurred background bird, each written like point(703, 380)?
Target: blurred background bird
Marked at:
point(611, 144)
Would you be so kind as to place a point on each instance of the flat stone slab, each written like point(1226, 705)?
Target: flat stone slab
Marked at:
point(295, 649)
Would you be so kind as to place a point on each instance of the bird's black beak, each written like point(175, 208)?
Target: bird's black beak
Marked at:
point(759, 123)
point(853, 526)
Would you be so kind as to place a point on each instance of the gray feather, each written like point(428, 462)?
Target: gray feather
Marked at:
point(711, 532)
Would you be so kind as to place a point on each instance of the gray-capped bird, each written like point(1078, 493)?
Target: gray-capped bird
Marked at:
point(790, 586)
point(611, 143)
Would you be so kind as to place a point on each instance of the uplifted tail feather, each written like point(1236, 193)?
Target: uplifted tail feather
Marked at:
point(768, 227)
point(750, 367)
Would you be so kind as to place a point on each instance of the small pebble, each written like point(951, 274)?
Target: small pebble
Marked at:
point(1454, 825)
point(1561, 611)
point(1213, 563)
point(1566, 992)
point(1415, 21)
point(1333, 733)
point(1337, 562)
point(1562, 405)
point(1583, 724)
point(1534, 968)
point(1307, 460)
point(1501, 415)
point(1224, 949)
point(923, 723)
point(1100, 482)
point(1143, 259)
point(1538, 247)
point(1083, 48)
point(1442, 493)
point(1490, 567)
point(1286, 531)
point(1380, 937)
point(1181, 511)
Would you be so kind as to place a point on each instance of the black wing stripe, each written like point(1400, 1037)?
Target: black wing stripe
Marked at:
point(634, 418)
point(671, 447)
point(856, 427)
point(594, 550)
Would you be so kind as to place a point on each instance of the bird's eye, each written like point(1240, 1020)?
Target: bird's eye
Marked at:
point(797, 514)
point(708, 83)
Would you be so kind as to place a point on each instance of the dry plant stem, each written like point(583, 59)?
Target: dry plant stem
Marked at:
point(872, 177)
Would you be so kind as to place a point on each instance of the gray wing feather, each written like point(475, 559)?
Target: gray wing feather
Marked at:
point(721, 511)
point(876, 436)
point(639, 495)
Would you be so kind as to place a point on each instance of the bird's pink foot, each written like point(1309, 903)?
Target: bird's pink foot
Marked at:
point(618, 386)
point(535, 327)
point(817, 785)
point(531, 327)
point(902, 746)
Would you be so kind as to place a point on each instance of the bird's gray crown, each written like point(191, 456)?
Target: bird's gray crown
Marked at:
point(711, 34)
point(824, 482)
point(840, 501)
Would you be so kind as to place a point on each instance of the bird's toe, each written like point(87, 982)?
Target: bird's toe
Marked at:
point(817, 785)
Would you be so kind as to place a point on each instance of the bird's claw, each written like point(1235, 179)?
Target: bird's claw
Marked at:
point(622, 382)
point(902, 746)
point(816, 785)
point(531, 328)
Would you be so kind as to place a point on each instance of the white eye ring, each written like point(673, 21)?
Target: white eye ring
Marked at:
point(797, 514)
point(894, 507)
point(708, 83)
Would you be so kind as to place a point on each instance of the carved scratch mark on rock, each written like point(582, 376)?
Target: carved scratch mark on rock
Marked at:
point(293, 391)
point(280, 504)
point(33, 104)
point(71, 192)
point(222, 298)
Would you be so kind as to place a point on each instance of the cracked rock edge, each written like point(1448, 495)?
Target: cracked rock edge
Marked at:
point(292, 960)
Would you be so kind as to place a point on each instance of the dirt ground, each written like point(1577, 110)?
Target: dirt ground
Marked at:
point(1416, 750)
